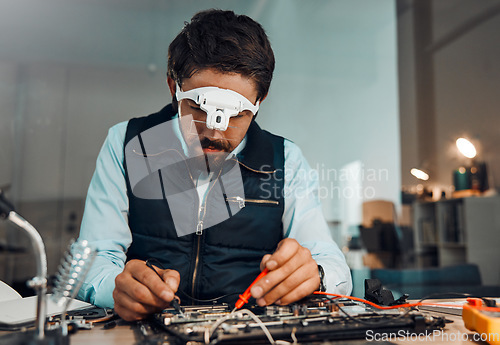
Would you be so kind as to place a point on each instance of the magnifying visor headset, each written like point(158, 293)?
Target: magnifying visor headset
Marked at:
point(219, 104)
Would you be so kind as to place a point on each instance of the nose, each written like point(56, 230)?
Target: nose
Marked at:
point(204, 131)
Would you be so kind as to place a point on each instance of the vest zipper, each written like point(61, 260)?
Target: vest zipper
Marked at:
point(241, 202)
point(196, 261)
point(199, 234)
point(259, 201)
point(199, 226)
point(238, 199)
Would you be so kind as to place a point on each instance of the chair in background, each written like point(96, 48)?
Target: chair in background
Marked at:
point(388, 244)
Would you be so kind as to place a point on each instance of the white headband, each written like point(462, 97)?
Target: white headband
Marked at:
point(219, 104)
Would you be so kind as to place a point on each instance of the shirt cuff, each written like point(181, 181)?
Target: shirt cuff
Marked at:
point(337, 278)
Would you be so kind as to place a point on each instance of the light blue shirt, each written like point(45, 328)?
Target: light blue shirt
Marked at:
point(106, 228)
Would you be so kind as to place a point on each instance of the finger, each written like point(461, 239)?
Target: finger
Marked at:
point(264, 260)
point(172, 278)
point(303, 274)
point(287, 248)
point(153, 282)
point(301, 291)
point(301, 257)
point(137, 291)
point(273, 278)
point(129, 309)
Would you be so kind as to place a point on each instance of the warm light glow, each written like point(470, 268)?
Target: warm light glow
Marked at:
point(420, 174)
point(466, 148)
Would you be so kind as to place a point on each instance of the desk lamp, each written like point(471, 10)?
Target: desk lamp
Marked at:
point(420, 174)
point(471, 176)
point(466, 148)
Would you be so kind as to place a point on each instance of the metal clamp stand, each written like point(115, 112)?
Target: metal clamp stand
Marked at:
point(38, 283)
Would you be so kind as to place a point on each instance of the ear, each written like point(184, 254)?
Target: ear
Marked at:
point(260, 102)
point(171, 85)
point(263, 98)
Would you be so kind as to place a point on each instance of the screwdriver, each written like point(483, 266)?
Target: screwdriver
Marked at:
point(175, 302)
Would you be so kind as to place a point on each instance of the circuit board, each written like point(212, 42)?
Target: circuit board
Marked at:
point(313, 321)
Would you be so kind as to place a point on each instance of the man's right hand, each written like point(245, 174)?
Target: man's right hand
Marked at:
point(139, 291)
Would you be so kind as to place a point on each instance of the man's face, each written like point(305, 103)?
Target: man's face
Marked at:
point(214, 141)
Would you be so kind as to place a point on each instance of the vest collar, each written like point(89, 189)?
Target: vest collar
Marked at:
point(258, 154)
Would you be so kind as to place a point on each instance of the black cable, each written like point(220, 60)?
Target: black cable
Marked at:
point(383, 318)
point(489, 302)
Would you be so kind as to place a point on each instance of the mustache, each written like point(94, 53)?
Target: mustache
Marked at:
point(222, 145)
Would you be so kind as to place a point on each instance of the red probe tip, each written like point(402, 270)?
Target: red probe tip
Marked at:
point(244, 297)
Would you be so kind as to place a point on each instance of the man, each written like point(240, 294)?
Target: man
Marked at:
point(202, 195)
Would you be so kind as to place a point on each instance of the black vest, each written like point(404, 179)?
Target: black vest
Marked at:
point(225, 258)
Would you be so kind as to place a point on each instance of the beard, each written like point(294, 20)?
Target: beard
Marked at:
point(211, 161)
point(221, 145)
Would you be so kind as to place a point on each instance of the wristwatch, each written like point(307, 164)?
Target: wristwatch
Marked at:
point(322, 286)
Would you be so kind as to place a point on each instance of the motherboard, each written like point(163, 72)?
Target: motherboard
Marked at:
point(311, 321)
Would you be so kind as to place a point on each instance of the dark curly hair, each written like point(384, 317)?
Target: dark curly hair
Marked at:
point(226, 42)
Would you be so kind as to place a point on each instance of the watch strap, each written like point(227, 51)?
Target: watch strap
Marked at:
point(322, 286)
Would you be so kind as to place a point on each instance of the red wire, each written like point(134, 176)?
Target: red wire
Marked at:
point(406, 305)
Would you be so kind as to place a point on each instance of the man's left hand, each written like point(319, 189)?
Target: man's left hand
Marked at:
point(293, 274)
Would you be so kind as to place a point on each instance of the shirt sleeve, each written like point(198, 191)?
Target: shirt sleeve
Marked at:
point(303, 220)
point(104, 223)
